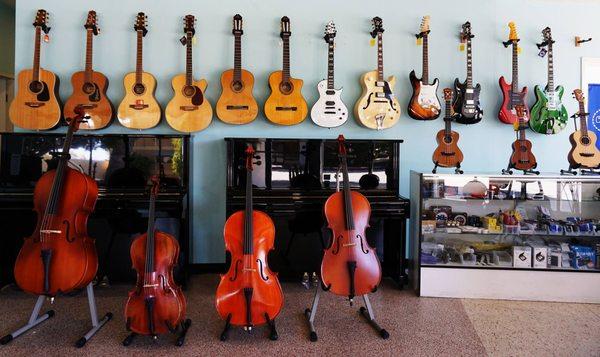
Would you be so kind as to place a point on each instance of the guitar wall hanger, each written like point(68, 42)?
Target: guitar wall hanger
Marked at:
point(579, 41)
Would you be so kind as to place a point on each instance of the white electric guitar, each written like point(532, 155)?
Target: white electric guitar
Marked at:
point(329, 111)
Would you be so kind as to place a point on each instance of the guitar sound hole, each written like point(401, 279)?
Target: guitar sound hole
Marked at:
point(88, 88)
point(447, 139)
point(237, 86)
point(139, 88)
point(523, 149)
point(36, 86)
point(285, 87)
point(585, 140)
point(189, 91)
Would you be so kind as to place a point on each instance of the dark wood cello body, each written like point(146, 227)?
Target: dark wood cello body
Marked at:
point(350, 266)
point(60, 256)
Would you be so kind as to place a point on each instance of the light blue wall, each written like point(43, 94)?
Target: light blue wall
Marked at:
point(486, 145)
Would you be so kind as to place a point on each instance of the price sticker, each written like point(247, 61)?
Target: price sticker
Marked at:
point(419, 41)
point(372, 42)
point(46, 38)
point(519, 50)
point(461, 47)
point(193, 40)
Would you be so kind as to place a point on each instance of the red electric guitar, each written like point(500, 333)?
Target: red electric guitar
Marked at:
point(510, 92)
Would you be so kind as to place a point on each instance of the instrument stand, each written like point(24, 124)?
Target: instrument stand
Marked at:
point(457, 169)
point(509, 171)
point(180, 331)
point(584, 171)
point(273, 336)
point(365, 311)
point(35, 319)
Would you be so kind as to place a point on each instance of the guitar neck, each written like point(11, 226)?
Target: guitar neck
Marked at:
point(522, 127)
point(583, 119)
point(425, 78)
point(89, 48)
point(379, 57)
point(248, 228)
point(237, 58)
point(330, 71)
point(515, 67)
point(550, 69)
point(286, 59)
point(448, 118)
point(469, 64)
point(139, 69)
point(188, 59)
point(36, 54)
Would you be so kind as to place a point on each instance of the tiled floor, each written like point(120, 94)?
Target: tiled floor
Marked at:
point(417, 327)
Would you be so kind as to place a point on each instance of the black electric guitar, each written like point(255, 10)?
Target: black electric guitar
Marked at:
point(466, 96)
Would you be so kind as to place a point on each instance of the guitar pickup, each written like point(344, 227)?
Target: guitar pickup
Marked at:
point(188, 108)
point(237, 107)
point(379, 84)
point(138, 106)
point(330, 112)
point(448, 153)
point(379, 95)
point(330, 102)
point(34, 104)
point(470, 102)
point(469, 90)
point(286, 109)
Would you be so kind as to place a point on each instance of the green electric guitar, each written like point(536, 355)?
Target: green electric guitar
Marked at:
point(548, 115)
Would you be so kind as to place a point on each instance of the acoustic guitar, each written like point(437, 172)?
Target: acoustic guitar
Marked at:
point(510, 92)
point(447, 153)
point(36, 105)
point(285, 105)
point(377, 107)
point(89, 86)
point(424, 103)
point(584, 153)
point(189, 110)
point(237, 105)
point(139, 109)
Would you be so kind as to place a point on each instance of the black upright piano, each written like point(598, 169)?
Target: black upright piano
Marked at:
point(292, 180)
point(122, 166)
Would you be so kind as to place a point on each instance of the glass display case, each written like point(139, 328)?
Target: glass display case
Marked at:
point(506, 236)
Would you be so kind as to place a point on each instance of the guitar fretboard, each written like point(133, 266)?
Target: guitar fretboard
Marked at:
point(583, 119)
point(550, 68)
point(286, 59)
point(188, 59)
point(330, 70)
point(515, 67)
point(425, 78)
point(237, 58)
point(379, 57)
point(36, 54)
point(469, 64)
point(448, 117)
point(139, 65)
point(88, 55)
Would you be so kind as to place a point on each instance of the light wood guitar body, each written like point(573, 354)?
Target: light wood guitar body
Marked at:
point(237, 105)
point(139, 110)
point(92, 98)
point(188, 112)
point(377, 107)
point(36, 105)
point(285, 106)
point(584, 151)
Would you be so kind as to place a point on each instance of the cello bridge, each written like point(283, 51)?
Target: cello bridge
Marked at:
point(249, 269)
point(50, 231)
point(349, 245)
point(150, 285)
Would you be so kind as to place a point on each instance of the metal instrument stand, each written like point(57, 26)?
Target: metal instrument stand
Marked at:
point(35, 319)
point(457, 169)
point(365, 311)
point(180, 331)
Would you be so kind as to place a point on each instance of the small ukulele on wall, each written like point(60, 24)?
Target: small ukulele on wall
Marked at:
point(522, 157)
point(466, 96)
point(285, 105)
point(139, 109)
point(36, 105)
point(377, 107)
point(424, 103)
point(329, 111)
point(584, 154)
point(510, 92)
point(89, 86)
point(237, 105)
point(447, 153)
point(189, 110)
point(548, 114)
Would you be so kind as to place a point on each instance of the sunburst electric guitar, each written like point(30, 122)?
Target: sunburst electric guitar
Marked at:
point(584, 153)
point(510, 92)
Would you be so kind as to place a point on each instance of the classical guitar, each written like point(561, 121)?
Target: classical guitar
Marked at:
point(424, 103)
point(510, 92)
point(89, 86)
point(285, 105)
point(377, 107)
point(329, 111)
point(584, 153)
point(36, 105)
point(466, 96)
point(548, 114)
point(447, 153)
point(522, 157)
point(188, 110)
point(139, 109)
point(237, 105)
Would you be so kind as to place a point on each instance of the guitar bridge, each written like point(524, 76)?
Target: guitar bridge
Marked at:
point(448, 153)
point(138, 106)
point(34, 104)
point(88, 106)
point(587, 154)
point(286, 109)
point(237, 107)
point(188, 108)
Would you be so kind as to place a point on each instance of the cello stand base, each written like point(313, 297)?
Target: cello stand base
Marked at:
point(273, 336)
point(180, 331)
point(509, 171)
point(365, 311)
point(457, 169)
point(36, 319)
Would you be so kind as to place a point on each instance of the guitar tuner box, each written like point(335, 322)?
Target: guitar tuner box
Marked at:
point(521, 257)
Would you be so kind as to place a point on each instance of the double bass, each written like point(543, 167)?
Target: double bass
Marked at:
point(249, 294)
point(350, 266)
point(59, 256)
point(157, 304)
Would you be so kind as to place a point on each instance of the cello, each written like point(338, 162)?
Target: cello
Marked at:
point(59, 256)
point(249, 294)
point(350, 266)
point(157, 304)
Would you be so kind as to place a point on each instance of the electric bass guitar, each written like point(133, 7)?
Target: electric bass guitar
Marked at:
point(237, 105)
point(285, 105)
point(89, 86)
point(522, 157)
point(510, 92)
point(329, 111)
point(377, 107)
point(189, 110)
point(548, 114)
point(447, 153)
point(424, 103)
point(466, 96)
point(139, 109)
point(584, 153)
point(36, 105)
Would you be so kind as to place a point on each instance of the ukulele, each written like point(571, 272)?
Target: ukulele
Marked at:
point(522, 158)
point(36, 105)
point(377, 107)
point(189, 110)
point(89, 86)
point(466, 96)
point(139, 109)
point(237, 105)
point(329, 111)
point(447, 153)
point(548, 114)
point(584, 152)
point(510, 92)
point(424, 103)
point(285, 104)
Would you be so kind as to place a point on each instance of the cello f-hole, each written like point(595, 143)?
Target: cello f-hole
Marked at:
point(68, 231)
point(234, 277)
point(362, 247)
point(260, 270)
point(337, 248)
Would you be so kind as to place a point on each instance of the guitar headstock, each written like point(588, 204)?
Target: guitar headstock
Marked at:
point(189, 21)
point(578, 95)
point(520, 109)
point(141, 21)
point(377, 24)
point(41, 20)
point(512, 34)
point(92, 22)
point(547, 34)
point(286, 31)
point(155, 180)
point(237, 25)
point(342, 152)
point(424, 28)
point(465, 32)
point(330, 32)
point(249, 158)
point(447, 94)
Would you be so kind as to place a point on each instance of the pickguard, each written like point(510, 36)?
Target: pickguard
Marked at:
point(44, 95)
point(95, 96)
point(197, 98)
